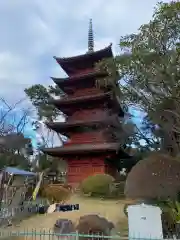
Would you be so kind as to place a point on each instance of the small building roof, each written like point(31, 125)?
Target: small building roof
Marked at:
point(16, 171)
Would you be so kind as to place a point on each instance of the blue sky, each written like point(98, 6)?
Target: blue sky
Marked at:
point(33, 31)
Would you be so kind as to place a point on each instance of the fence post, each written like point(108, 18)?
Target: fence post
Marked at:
point(77, 236)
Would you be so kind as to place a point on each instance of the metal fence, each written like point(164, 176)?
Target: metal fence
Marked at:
point(49, 235)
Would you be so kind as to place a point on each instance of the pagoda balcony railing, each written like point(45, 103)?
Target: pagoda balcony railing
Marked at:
point(86, 92)
point(89, 115)
point(82, 72)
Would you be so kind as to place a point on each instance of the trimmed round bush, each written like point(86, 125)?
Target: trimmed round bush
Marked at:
point(56, 193)
point(97, 185)
point(64, 226)
point(94, 225)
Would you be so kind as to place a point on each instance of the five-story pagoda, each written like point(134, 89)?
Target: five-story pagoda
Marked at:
point(91, 112)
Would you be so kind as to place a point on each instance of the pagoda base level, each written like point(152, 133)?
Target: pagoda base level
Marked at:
point(80, 169)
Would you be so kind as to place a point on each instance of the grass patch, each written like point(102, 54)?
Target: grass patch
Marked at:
point(110, 209)
point(122, 227)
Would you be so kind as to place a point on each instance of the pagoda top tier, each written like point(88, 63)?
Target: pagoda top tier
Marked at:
point(77, 64)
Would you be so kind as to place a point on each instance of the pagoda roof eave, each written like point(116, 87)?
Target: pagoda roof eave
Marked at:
point(82, 149)
point(73, 79)
point(68, 105)
point(58, 102)
point(64, 126)
point(107, 50)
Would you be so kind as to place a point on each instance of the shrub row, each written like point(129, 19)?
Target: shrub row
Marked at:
point(99, 185)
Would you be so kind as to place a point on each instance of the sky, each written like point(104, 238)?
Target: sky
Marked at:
point(32, 32)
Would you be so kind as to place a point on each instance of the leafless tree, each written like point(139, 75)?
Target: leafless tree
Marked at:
point(13, 122)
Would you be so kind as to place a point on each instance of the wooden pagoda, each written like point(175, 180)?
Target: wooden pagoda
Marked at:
point(91, 113)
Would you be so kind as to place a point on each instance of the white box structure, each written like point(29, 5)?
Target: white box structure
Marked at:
point(144, 222)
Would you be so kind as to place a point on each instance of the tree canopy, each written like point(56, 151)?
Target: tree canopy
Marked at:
point(40, 96)
point(150, 74)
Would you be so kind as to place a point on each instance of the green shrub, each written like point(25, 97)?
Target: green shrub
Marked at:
point(97, 185)
point(168, 224)
point(125, 209)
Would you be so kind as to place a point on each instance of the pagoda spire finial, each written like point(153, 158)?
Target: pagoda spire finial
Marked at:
point(90, 37)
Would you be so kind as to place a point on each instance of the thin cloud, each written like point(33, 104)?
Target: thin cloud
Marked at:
point(33, 31)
